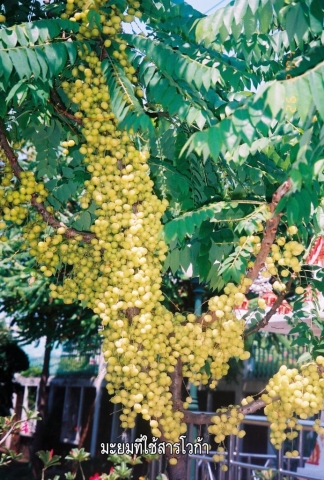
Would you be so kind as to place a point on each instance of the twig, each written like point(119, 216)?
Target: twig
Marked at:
point(176, 386)
point(60, 108)
point(81, 470)
point(16, 168)
point(11, 430)
point(264, 322)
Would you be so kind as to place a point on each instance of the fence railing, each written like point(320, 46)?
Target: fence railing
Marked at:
point(246, 465)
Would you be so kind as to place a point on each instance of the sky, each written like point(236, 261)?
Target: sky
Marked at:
point(207, 5)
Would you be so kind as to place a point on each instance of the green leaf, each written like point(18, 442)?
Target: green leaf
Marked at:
point(6, 65)
point(250, 22)
point(48, 29)
point(83, 223)
point(305, 99)
point(296, 24)
point(68, 172)
point(21, 35)
point(48, 458)
point(275, 98)
point(265, 16)
point(19, 59)
point(62, 193)
point(214, 142)
point(56, 57)
point(293, 212)
point(9, 37)
point(13, 92)
point(94, 19)
point(33, 62)
point(32, 32)
point(317, 88)
point(72, 51)
point(42, 62)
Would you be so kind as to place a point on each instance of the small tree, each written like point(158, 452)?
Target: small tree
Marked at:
point(210, 125)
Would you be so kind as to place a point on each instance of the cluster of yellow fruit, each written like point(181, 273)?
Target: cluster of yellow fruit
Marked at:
point(220, 457)
point(291, 394)
point(66, 146)
point(226, 422)
point(225, 329)
point(118, 274)
point(252, 243)
point(15, 195)
point(110, 24)
point(287, 256)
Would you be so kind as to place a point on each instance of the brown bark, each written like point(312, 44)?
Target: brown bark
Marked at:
point(270, 230)
point(198, 418)
point(16, 168)
point(86, 428)
point(178, 471)
point(42, 409)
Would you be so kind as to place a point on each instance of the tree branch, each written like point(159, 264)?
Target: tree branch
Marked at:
point(16, 168)
point(176, 386)
point(268, 239)
point(60, 108)
point(53, 222)
point(270, 230)
point(40, 207)
point(264, 322)
point(203, 418)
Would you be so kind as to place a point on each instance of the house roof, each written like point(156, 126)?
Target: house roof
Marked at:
point(316, 254)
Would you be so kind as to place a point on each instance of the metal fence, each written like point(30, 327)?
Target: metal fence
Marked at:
point(246, 465)
point(243, 465)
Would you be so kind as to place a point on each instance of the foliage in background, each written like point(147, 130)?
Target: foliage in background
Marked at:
point(12, 360)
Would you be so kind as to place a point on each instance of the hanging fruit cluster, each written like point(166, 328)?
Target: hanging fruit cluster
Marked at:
point(118, 274)
point(291, 394)
point(16, 195)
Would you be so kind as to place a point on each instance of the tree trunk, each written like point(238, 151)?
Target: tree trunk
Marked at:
point(41, 408)
point(178, 471)
point(86, 428)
